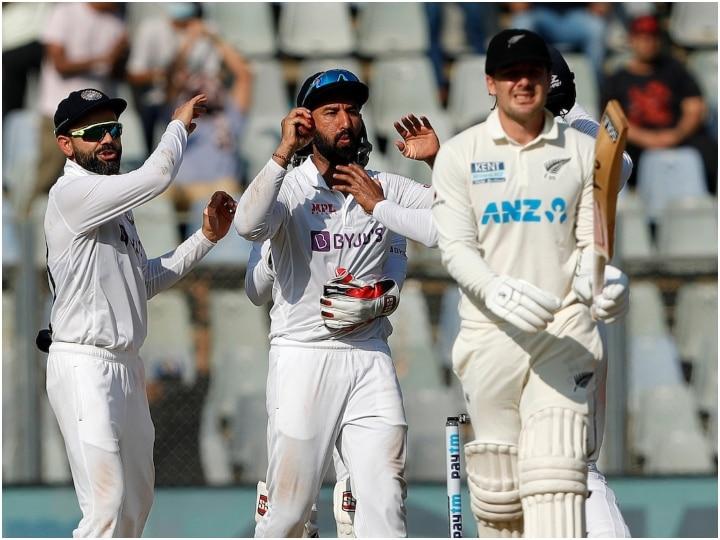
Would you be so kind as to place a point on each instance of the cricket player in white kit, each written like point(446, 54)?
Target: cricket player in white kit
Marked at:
point(330, 383)
point(101, 280)
point(514, 216)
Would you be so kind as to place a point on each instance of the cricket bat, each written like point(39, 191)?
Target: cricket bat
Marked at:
point(609, 148)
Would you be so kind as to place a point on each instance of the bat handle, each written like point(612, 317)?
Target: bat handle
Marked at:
point(598, 277)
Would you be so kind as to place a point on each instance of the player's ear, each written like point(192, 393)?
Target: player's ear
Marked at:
point(65, 144)
point(490, 85)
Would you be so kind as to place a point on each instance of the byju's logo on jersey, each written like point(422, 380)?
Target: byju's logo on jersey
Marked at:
point(525, 211)
point(324, 241)
point(484, 172)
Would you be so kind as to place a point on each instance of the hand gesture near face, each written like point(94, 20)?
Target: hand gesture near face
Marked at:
point(191, 109)
point(353, 179)
point(419, 140)
point(218, 216)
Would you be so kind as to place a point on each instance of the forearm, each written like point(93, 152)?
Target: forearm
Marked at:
point(415, 224)
point(163, 272)
point(395, 266)
point(256, 216)
point(259, 277)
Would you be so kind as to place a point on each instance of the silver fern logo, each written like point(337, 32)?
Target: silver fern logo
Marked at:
point(553, 166)
point(513, 40)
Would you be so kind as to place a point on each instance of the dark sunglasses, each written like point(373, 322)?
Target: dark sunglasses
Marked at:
point(96, 132)
point(330, 76)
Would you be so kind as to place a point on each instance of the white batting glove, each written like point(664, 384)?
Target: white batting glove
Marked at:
point(614, 301)
point(582, 282)
point(520, 303)
point(347, 302)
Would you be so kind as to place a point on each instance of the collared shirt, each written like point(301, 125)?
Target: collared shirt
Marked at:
point(314, 231)
point(505, 208)
point(98, 271)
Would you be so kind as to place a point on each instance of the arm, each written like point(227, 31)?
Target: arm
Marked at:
point(395, 266)
point(259, 276)
point(163, 272)
point(89, 201)
point(414, 224)
point(260, 214)
point(579, 119)
point(691, 118)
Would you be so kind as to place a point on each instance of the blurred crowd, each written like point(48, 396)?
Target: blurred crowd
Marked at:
point(177, 51)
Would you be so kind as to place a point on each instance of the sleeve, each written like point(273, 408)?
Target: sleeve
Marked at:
point(260, 213)
point(584, 230)
point(415, 224)
point(87, 202)
point(259, 276)
point(407, 192)
point(580, 119)
point(457, 226)
point(164, 271)
point(395, 266)
point(57, 26)
point(687, 84)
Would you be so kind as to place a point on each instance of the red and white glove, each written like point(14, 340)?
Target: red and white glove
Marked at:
point(347, 302)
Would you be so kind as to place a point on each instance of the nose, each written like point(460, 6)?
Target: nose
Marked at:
point(107, 138)
point(344, 119)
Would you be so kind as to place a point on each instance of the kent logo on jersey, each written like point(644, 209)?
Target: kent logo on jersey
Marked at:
point(484, 172)
point(525, 211)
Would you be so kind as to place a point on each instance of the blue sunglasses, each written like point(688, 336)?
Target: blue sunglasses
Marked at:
point(331, 76)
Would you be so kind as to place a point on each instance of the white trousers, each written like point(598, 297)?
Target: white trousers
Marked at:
point(604, 519)
point(350, 399)
point(99, 400)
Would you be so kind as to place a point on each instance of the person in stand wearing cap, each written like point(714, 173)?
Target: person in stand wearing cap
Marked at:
point(514, 215)
point(331, 380)
point(663, 102)
point(101, 279)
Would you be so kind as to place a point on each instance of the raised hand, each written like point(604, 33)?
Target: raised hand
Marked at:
point(191, 109)
point(218, 216)
point(419, 140)
point(298, 130)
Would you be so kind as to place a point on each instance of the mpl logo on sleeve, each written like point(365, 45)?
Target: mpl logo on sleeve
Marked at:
point(484, 172)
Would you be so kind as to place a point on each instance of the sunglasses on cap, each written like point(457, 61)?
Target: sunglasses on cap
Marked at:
point(326, 78)
point(96, 132)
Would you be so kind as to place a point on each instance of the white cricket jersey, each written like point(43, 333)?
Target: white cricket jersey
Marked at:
point(314, 231)
point(97, 267)
point(523, 211)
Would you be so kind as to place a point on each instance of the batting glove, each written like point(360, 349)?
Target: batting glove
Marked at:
point(614, 300)
point(347, 302)
point(520, 303)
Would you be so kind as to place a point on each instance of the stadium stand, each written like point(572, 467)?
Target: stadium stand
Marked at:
point(337, 37)
point(392, 29)
point(248, 26)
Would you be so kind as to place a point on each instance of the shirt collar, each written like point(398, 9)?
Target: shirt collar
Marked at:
point(73, 169)
point(310, 171)
point(549, 131)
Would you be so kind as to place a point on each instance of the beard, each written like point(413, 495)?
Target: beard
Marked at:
point(338, 155)
point(91, 162)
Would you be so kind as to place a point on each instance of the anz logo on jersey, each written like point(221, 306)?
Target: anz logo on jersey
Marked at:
point(326, 241)
point(525, 211)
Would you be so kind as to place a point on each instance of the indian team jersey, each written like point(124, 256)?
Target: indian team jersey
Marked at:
point(526, 210)
point(98, 271)
point(314, 231)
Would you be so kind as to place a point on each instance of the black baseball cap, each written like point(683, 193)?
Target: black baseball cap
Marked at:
point(514, 46)
point(81, 102)
point(334, 82)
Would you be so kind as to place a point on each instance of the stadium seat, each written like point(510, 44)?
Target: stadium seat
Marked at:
point(134, 150)
point(669, 174)
point(248, 26)
point(310, 66)
point(269, 97)
point(411, 341)
point(632, 233)
point(705, 377)
point(20, 150)
point(646, 316)
point(297, 38)
point(696, 315)
point(427, 410)
point(680, 451)
point(11, 377)
point(261, 138)
point(392, 29)
point(215, 450)
point(688, 235)
point(468, 101)
point(37, 220)
point(401, 86)
point(140, 11)
point(704, 67)
point(157, 226)
point(694, 24)
point(653, 362)
point(378, 160)
point(10, 247)
point(232, 251)
point(588, 94)
point(248, 439)
point(169, 345)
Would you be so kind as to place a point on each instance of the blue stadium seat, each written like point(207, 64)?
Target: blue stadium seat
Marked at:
point(297, 37)
point(248, 26)
point(392, 29)
point(694, 24)
point(468, 101)
point(669, 174)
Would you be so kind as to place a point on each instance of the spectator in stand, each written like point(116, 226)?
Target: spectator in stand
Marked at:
point(152, 53)
point(203, 64)
point(662, 101)
point(83, 43)
point(581, 26)
point(22, 52)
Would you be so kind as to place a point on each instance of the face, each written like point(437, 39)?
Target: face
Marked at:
point(521, 89)
point(337, 131)
point(100, 157)
point(646, 47)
